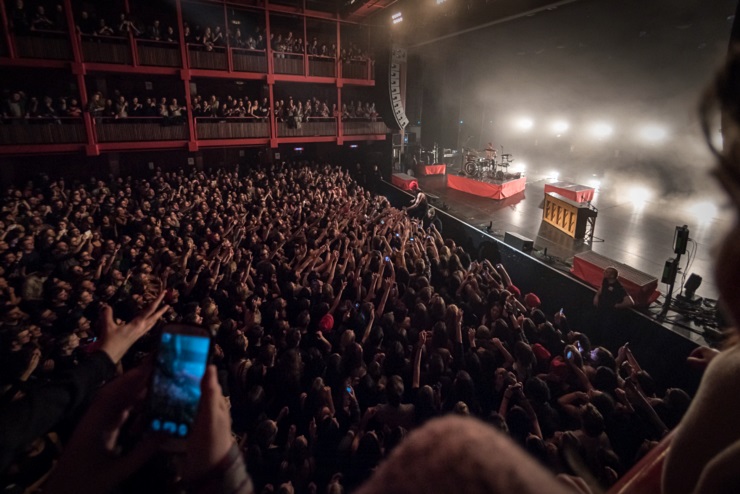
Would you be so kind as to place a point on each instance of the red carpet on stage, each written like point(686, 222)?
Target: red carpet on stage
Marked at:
point(642, 287)
point(574, 192)
point(491, 190)
point(438, 169)
point(404, 181)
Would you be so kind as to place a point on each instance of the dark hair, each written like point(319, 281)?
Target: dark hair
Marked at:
point(592, 421)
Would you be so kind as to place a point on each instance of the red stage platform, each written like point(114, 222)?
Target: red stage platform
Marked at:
point(438, 169)
point(574, 192)
point(590, 266)
point(492, 190)
point(404, 181)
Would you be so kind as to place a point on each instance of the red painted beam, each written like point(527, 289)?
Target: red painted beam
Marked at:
point(304, 79)
point(368, 137)
point(305, 140)
point(129, 69)
point(34, 63)
point(130, 146)
point(220, 74)
point(20, 149)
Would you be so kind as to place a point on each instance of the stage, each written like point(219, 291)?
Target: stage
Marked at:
point(491, 189)
point(637, 235)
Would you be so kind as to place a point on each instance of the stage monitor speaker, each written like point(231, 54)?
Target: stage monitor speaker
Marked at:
point(519, 242)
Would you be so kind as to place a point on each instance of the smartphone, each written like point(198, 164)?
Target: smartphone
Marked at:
point(411, 239)
point(398, 234)
point(578, 345)
point(349, 389)
point(561, 311)
point(88, 341)
point(387, 258)
point(569, 354)
point(382, 222)
point(174, 393)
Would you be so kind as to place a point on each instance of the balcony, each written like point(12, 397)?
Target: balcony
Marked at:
point(158, 53)
point(246, 60)
point(232, 128)
point(210, 59)
point(50, 45)
point(288, 63)
point(106, 49)
point(319, 66)
point(62, 130)
point(363, 127)
point(358, 69)
point(316, 127)
point(109, 129)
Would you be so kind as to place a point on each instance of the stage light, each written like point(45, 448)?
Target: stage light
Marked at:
point(297, 149)
point(653, 133)
point(353, 146)
point(397, 17)
point(524, 123)
point(461, 122)
point(638, 195)
point(554, 175)
point(440, 2)
point(702, 211)
point(594, 183)
point(560, 127)
point(601, 130)
point(520, 167)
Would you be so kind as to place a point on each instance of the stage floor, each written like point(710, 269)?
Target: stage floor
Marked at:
point(639, 235)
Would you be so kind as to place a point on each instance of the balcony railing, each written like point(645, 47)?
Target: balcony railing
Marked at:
point(158, 53)
point(211, 59)
point(110, 129)
point(55, 130)
point(246, 60)
point(363, 127)
point(358, 69)
point(316, 127)
point(53, 45)
point(288, 63)
point(231, 128)
point(319, 66)
point(106, 49)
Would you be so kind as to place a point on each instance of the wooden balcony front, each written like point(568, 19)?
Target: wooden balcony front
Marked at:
point(158, 53)
point(50, 45)
point(363, 127)
point(106, 49)
point(312, 128)
point(63, 130)
point(231, 128)
point(141, 129)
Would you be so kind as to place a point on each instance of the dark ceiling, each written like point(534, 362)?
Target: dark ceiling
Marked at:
point(428, 20)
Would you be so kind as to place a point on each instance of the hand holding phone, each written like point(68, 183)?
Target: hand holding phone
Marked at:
point(175, 389)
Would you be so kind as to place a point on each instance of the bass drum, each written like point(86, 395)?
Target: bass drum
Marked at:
point(470, 168)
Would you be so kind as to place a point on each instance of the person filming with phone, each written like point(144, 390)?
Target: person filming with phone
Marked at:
point(612, 294)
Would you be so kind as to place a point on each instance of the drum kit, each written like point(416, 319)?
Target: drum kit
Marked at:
point(487, 167)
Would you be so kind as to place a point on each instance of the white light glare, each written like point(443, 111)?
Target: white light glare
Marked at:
point(594, 183)
point(653, 133)
point(554, 175)
point(639, 195)
point(702, 211)
point(524, 123)
point(439, 2)
point(397, 15)
point(601, 130)
point(396, 21)
point(520, 167)
point(560, 126)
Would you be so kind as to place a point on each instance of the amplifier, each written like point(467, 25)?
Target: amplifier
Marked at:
point(519, 242)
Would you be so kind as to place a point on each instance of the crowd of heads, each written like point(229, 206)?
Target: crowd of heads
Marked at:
point(340, 323)
point(37, 17)
point(230, 106)
point(18, 106)
point(121, 107)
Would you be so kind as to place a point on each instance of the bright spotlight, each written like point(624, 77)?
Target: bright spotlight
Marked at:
point(397, 17)
point(639, 195)
point(594, 183)
point(702, 211)
point(520, 167)
point(601, 130)
point(524, 123)
point(653, 133)
point(560, 126)
point(554, 175)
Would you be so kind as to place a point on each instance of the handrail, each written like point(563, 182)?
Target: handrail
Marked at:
point(43, 31)
point(256, 50)
point(103, 36)
point(157, 41)
point(248, 118)
point(37, 118)
point(154, 118)
point(322, 56)
point(201, 45)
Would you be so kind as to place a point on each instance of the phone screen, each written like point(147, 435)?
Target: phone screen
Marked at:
point(569, 354)
point(349, 390)
point(175, 390)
